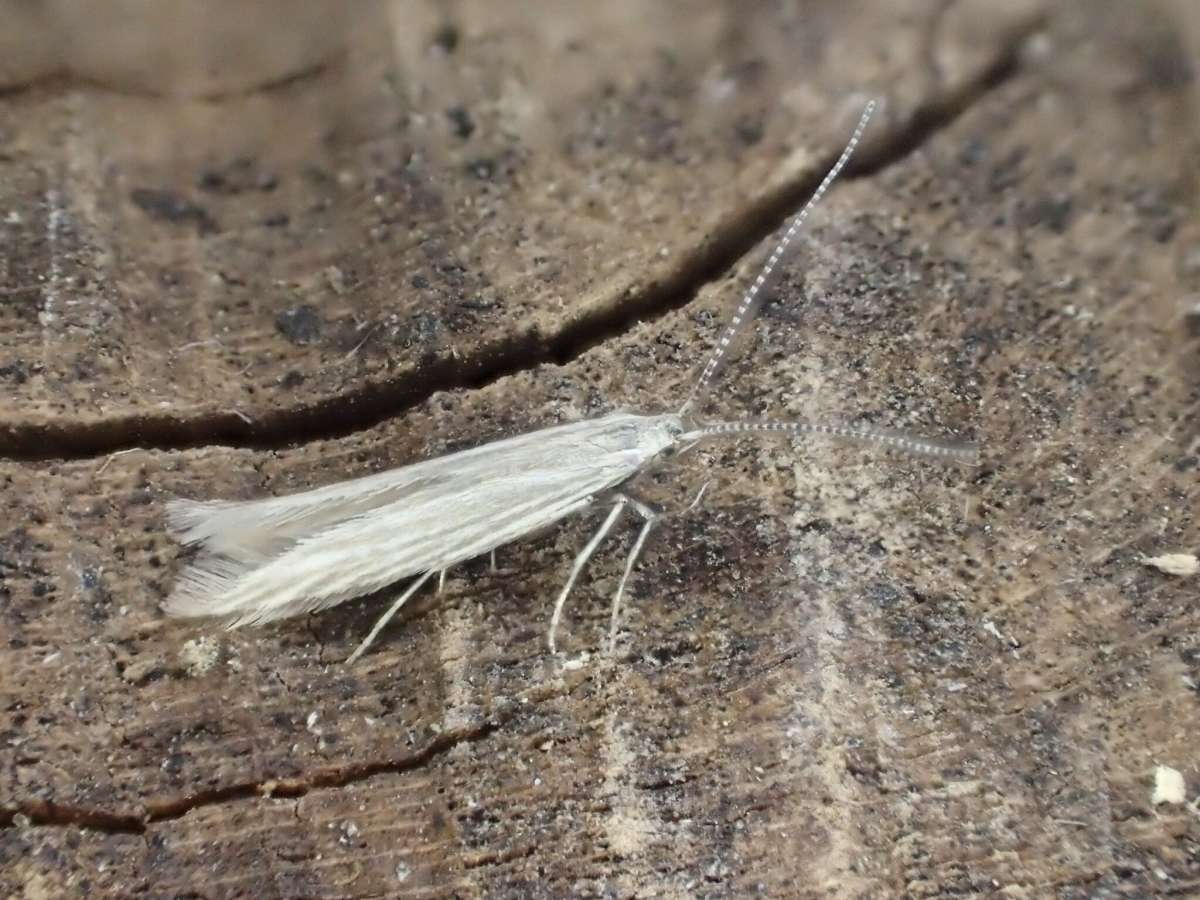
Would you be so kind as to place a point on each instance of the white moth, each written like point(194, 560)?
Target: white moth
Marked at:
point(269, 559)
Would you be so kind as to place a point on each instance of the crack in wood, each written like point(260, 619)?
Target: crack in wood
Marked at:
point(48, 813)
point(63, 81)
point(373, 403)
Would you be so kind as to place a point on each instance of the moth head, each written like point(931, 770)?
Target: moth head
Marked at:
point(661, 436)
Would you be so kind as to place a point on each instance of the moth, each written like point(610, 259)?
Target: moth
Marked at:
point(263, 560)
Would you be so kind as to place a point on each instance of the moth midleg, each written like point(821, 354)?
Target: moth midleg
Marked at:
point(580, 561)
point(387, 616)
point(650, 516)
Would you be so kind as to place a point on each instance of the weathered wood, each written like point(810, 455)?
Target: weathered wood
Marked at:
point(311, 259)
point(844, 675)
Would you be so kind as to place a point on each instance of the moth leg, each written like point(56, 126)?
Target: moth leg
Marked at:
point(699, 496)
point(650, 517)
point(580, 561)
point(441, 580)
point(387, 616)
point(493, 567)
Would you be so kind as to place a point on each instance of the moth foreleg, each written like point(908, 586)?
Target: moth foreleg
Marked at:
point(580, 561)
point(387, 616)
point(650, 518)
point(699, 496)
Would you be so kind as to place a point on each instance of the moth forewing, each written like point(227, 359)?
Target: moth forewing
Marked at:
point(262, 560)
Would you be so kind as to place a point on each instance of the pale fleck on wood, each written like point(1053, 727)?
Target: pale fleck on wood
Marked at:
point(1181, 564)
point(1169, 786)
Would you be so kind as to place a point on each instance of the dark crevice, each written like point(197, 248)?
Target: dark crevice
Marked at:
point(49, 813)
point(500, 858)
point(373, 403)
point(61, 81)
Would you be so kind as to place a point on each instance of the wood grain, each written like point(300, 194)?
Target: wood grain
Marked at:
point(844, 675)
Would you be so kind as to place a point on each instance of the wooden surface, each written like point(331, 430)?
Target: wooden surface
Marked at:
point(844, 675)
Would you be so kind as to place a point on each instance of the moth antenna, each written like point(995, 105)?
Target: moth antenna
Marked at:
point(952, 451)
point(748, 307)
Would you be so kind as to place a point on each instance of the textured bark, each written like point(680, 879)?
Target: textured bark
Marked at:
point(845, 674)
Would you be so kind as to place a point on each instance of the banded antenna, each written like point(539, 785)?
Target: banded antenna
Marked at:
point(951, 451)
point(748, 307)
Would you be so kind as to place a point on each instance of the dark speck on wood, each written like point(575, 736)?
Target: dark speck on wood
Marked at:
point(1053, 212)
point(462, 123)
point(446, 38)
point(169, 206)
point(749, 131)
point(240, 175)
point(300, 324)
point(14, 372)
point(483, 169)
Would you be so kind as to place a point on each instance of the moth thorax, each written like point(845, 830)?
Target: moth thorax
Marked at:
point(658, 433)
